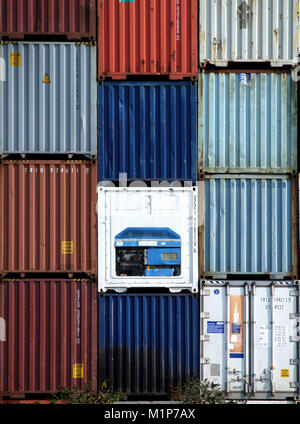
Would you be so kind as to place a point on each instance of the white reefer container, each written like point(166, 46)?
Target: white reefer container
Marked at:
point(148, 237)
point(250, 335)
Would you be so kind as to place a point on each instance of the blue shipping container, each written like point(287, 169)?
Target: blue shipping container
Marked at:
point(147, 130)
point(148, 343)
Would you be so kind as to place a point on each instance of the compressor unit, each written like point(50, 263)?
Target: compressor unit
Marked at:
point(147, 237)
point(148, 252)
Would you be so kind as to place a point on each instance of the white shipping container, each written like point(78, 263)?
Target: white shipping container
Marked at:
point(250, 337)
point(249, 30)
point(148, 237)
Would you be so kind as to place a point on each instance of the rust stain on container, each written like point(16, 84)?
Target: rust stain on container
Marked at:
point(51, 329)
point(73, 19)
point(48, 216)
point(147, 37)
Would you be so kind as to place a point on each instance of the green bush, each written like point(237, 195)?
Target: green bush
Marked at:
point(85, 396)
point(199, 392)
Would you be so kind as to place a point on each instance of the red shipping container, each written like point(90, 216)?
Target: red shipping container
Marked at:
point(147, 37)
point(48, 216)
point(48, 335)
point(74, 19)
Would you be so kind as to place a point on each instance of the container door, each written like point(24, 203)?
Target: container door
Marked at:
point(225, 335)
point(274, 332)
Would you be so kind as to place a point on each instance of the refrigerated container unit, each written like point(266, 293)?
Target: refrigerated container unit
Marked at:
point(247, 122)
point(49, 335)
point(144, 37)
point(248, 226)
point(147, 238)
point(250, 338)
point(48, 217)
point(49, 96)
point(148, 343)
point(62, 19)
point(147, 130)
point(249, 31)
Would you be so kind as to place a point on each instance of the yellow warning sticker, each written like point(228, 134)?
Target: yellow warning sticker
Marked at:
point(15, 59)
point(46, 79)
point(78, 370)
point(67, 247)
point(285, 373)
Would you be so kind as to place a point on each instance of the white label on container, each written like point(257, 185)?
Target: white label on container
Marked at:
point(281, 335)
point(264, 335)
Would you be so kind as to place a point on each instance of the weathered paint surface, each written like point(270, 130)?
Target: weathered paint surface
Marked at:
point(249, 30)
point(147, 37)
point(73, 19)
point(51, 335)
point(148, 343)
point(247, 123)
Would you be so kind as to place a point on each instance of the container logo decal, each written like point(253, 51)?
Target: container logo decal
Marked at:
point(236, 341)
point(215, 326)
point(15, 59)
point(126, 1)
point(285, 373)
point(46, 79)
point(78, 370)
point(67, 247)
point(217, 291)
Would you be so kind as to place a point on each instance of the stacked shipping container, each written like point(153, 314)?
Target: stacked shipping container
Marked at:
point(147, 131)
point(48, 118)
point(248, 160)
point(240, 329)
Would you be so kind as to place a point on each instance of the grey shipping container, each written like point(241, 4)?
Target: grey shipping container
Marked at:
point(247, 122)
point(248, 226)
point(49, 99)
point(251, 334)
point(249, 30)
point(148, 343)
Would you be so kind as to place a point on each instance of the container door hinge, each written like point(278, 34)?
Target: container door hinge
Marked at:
point(205, 361)
point(205, 292)
point(294, 361)
point(204, 315)
point(295, 339)
point(293, 316)
point(204, 338)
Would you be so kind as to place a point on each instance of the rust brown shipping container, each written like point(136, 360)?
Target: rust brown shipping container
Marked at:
point(71, 19)
point(147, 37)
point(48, 216)
point(48, 336)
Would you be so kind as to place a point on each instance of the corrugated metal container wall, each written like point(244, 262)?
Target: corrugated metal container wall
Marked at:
point(247, 123)
point(250, 225)
point(48, 216)
point(257, 325)
point(74, 19)
point(147, 37)
point(49, 99)
point(148, 343)
point(251, 30)
point(50, 332)
point(147, 130)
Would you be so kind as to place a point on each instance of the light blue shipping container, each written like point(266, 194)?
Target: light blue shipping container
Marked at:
point(247, 123)
point(147, 130)
point(250, 226)
point(148, 343)
point(48, 98)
